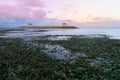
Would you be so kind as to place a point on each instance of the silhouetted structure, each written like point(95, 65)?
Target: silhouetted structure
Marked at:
point(64, 24)
point(30, 24)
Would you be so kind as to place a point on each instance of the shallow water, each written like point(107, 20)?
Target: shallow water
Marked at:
point(112, 33)
point(55, 38)
point(60, 53)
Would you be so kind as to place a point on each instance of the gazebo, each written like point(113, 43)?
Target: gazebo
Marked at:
point(64, 24)
point(30, 24)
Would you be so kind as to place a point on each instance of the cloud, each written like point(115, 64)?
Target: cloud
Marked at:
point(7, 11)
point(22, 12)
point(38, 13)
point(97, 19)
point(31, 3)
point(103, 23)
point(50, 11)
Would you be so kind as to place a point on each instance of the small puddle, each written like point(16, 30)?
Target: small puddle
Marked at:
point(93, 36)
point(98, 61)
point(55, 38)
point(60, 53)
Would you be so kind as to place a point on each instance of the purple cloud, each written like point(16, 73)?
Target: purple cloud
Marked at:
point(31, 3)
point(22, 12)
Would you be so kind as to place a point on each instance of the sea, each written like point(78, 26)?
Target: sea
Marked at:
point(111, 33)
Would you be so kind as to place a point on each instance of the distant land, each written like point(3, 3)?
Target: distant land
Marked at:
point(63, 26)
point(50, 27)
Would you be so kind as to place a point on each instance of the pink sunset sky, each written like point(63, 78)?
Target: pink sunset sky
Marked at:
point(81, 13)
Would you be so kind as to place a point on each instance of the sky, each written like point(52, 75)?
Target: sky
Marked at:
point(80, 13)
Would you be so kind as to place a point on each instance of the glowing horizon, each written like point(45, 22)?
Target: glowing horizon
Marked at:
point(85, 10)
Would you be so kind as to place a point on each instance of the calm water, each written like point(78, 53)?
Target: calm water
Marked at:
point(114, 33)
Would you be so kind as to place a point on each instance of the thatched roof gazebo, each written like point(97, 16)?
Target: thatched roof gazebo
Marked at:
point(64, 24)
